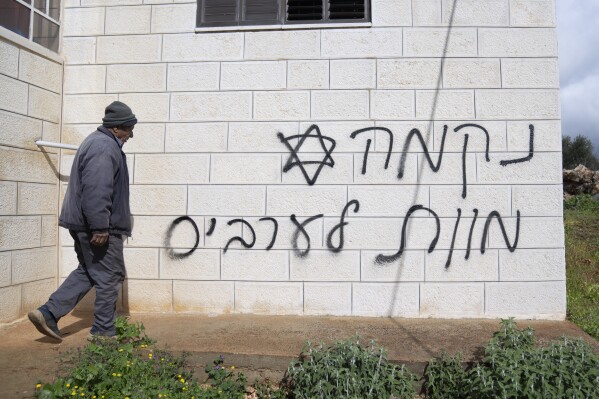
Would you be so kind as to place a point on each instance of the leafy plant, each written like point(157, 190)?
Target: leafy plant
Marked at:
point(514, 368)
point(582, 202)
point(347, 369)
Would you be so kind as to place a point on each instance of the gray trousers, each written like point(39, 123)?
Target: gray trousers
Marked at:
point(101, 267)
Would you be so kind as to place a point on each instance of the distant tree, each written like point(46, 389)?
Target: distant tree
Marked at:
point(578, 152)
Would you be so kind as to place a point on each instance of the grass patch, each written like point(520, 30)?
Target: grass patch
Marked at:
point(581, 222)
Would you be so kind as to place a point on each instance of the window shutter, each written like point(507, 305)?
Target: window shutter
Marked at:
point(261, 11)
point(304, 10)
point(219, 12)
point(346, 9)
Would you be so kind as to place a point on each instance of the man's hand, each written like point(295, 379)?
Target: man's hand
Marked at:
point(99, 238)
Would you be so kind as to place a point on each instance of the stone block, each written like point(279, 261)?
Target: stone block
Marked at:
point(79, 50)
point(44, 104)
point(36, 293)
point(148, 107)
point(426, 13)
point(259, 75)
point(281, 105)
point(518, 104)
point(547, 136)
point(362, 43)
point(84, 79)
point(10, 303)
point(203, 264)
point(333, 299)
point(191, 47)
point(340, 132)
point(15, 95)
point(158, 200)
point(305, 201)
point(476, 13)
point(8, 198)
point(342, 173)
point(83, 21)
point(478, 267)
point(409, 267)
point(27, 166)
point(307, 74)
point(9, 59)
point(445, 200)
point(535, 232)
point(204, 296)
point(273, 45)
point(49, 230)
point(87, 108)
point(539, 13)
point(129, 49)
point(532, 265)
point(128, 20)
point(432, 42)
point(51, 132)
point(450, 171)
point(543, 168)
point(340, 105)
point(452, 300)
point(380, 201)
point(250, 265)
point(201, 76)
point(174, 18)
point(536, 200)
point(148, 295)
point(530, 73)
point(36, 199)
point(151, 231)
point(471, 73)
point(141, 263)
point(40, 71)
point(366, 233)
point(19, 232)
point(477, 139)
point(259, 136)
point(517, 42)
point(326, 266)
point(269, 298)
point(33, 264)
point(223, 232)
point(353, 74)
point(211, 106)
point(242, 169)
point(391, 13)
point(537, 300)
point(409, 73)
point(445, 104)
point(462, 235)
point(149, 138)
point(5, 267)
point(136, 78)
point(385, 299)
point(377, 174)
point(227, 201)
point(392, 104)
point(196, 137)
point(172, 169)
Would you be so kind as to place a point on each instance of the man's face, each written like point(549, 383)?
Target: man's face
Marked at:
point(123, 133)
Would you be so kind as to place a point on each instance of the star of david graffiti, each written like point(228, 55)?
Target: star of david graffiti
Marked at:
point(326, 143)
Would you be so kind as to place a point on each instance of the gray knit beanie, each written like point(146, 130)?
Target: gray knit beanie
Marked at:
point(118, 114)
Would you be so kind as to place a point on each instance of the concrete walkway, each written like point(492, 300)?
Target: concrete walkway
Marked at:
point(259, 346)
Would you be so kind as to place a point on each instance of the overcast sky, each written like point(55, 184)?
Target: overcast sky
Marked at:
point(578, 35)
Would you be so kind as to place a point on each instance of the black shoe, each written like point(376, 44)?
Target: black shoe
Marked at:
point(45, 323)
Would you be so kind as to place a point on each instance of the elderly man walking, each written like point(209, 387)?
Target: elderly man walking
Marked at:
point(96, 212)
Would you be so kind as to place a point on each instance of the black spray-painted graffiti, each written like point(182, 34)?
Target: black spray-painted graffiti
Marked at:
point(327, 144)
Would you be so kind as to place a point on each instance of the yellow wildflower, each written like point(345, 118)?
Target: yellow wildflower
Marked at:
point(73, 393)
point(114, 374)
point(68, 385)
point(232, 367)
point(182, 380)
point(38, 386)
point(120, 349)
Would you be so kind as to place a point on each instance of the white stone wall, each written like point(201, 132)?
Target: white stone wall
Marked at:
point(30, 110)
point(211, 106)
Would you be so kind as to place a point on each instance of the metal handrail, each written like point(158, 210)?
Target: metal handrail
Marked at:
point(42, 143)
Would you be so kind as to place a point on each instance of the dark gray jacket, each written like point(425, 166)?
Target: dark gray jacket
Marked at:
point(97, 197)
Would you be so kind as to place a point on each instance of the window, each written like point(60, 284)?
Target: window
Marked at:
point(36, 20)
point(280, 12)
